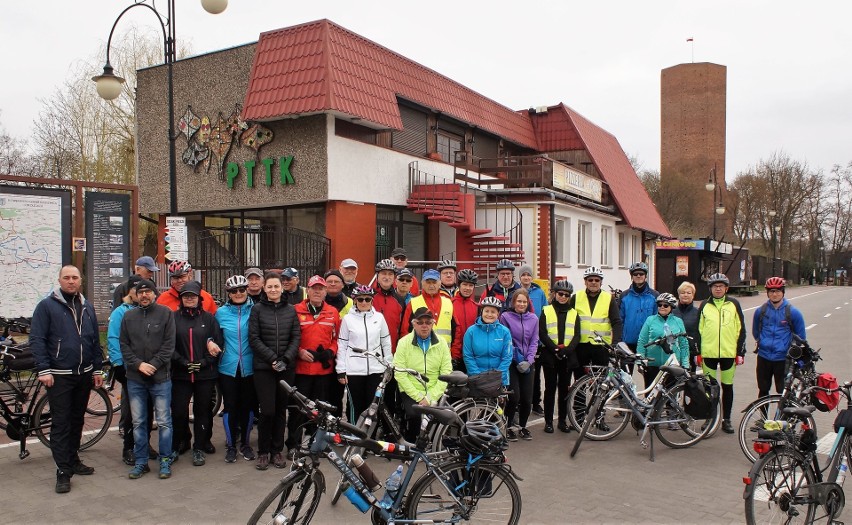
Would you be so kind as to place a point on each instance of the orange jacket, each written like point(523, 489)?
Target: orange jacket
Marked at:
point(171, 300)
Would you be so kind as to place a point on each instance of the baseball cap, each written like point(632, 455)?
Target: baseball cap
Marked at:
point(290, 273)
point(254, 271)
point(145, 284)
point(193, 287)
point(316, 280)
point(422, 312)
point(349, 263)
point(405, 272)
point(398, 252)
point(147, 263)
point(431, 275)
point(133, 281)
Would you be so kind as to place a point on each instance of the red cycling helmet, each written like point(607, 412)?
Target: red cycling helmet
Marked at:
point(775, 283)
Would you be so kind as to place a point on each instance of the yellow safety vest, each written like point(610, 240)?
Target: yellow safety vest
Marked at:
point(597, 321)
point(443, 328)
point(345, 309)
point(552, 323)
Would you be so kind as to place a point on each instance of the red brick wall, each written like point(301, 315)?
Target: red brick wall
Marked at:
point(352, 230)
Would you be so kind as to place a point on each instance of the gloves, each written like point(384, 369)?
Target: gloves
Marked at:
point(458, 364)
point(740, 360)
point(523, 367)
point(279, 366)
point(698, 360)
point(193, 367)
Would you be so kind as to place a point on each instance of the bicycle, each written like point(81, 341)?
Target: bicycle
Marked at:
point(25, 408)
point(614, 404)
point(801, 375)
point(787, 484)
point(461, 483)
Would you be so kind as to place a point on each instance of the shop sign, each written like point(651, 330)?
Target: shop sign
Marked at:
point(680, 244)
point(576, 182)
point(264, 170)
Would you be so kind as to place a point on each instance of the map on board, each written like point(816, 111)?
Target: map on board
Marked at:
point(31, 247)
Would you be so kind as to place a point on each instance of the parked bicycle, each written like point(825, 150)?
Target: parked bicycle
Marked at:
point(788, 484)
point(801, 375)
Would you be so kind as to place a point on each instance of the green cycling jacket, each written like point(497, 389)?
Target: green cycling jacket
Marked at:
point(721, 328)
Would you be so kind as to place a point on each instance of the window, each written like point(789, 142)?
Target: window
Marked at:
point(623, 250)
point(606, 249)
point(448, 145)
point(584, 242)
point(637, 249)
point(561, 241)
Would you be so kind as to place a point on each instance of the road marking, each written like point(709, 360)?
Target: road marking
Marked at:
point(827, 315)
point(789, 299)
point(838, 307)
point(825, 443)
point(810, 326)
point(34, 440)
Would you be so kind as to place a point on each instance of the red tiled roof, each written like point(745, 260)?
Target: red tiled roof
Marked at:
point(563, 129)
point(320, 66)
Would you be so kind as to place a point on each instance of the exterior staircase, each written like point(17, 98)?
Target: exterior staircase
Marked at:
point(475, 214)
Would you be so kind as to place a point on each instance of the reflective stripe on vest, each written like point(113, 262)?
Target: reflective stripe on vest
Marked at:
point(552, 323)
point(443, 328)
point(597, 321)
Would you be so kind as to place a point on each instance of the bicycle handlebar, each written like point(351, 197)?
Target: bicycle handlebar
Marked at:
point(363, 354)
point(665, 338)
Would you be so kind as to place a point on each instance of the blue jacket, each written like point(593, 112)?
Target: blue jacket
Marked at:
point(57, 344)
point(487, 346)
point(114, 333)
point(654, 328)
point(635, 307)
point(537, 298)
point(233, 320)
point(774, 339)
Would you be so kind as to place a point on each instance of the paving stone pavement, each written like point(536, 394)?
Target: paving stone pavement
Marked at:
point(608, 482)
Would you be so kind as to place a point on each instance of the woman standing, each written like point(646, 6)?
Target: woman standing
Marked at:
point(363, 334)
point(236, 381)
point(657, 326)
point(274, 337)
point(487, 343)
point(523, 326)
point(559, 333)
point(688, 313)
point(198, 343)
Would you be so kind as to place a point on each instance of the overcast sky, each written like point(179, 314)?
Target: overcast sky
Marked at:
point(789, 63)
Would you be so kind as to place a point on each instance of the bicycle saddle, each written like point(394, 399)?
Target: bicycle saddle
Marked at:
point(456, 377)
point(800, 412)
point(444, 416)
point(675, 371)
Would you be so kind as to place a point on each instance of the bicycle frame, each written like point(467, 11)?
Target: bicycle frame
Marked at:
point(22, 420)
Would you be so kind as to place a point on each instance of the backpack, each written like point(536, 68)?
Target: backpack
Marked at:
point(702, 396)
point(824, 401)
point(762, 313)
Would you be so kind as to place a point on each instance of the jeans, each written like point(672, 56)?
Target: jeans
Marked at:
point(161, 394)
point(68, 398)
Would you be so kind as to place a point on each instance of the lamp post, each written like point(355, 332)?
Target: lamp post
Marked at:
point(775, 229)
point(109, 84)
point(718, 207)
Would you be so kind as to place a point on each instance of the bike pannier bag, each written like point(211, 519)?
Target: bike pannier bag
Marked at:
point(702, 397)
point(23, 359)
point(824, 401)
point(844, 420)
point(485, 385)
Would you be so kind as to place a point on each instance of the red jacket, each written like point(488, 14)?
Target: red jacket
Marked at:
point(316, 332)
point(465, 312)
point(391, 306)
point(171, 300)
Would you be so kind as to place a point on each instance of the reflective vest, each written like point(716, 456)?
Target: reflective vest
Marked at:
point(552, 323)
point(597, 321)
point(443, 328)
point(345, 309)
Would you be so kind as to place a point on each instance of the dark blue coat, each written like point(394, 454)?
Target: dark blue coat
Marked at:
point(58, 345)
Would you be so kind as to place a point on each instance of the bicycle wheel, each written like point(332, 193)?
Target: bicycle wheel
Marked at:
point(766, 408)
point(612, 417)
point(293, 501)
point(779, 489)
point(479, 493)
point(96, 419)
point(676, 428)
point(470, 410)
point(115, 394)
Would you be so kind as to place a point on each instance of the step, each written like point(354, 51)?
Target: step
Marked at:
point(448, 186)
point(428, 198)
point(431, 213)
point(475, 233)
point(480, 246)
point(460, 225)
point(435, 195)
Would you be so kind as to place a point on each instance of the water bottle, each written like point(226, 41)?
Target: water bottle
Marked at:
point(356, 499)
point(367, 475)
point(842, 469)
point(628, 380)
point(392, 487)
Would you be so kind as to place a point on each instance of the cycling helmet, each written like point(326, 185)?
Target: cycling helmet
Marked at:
point(667, 298)
point(236, 281)
point(443, 265)
point(491, 301)
point(178, 268)
point(386, 264)
point(363, 290)
point(593, 271)
point(638, 267)
point(481, 437)
point(563, 286)
point(467, 276)
point(775, 283)
point(505, 264)
point(718, 278)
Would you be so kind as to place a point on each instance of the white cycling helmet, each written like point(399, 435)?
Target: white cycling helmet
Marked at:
point(236, 281)
point(491, 301)
point(593, 271)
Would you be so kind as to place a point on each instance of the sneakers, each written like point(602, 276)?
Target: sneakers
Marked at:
point(248, 453)
point(138, 470)
point(63, 482)
point(548, 427)
point(602, 426)
point(210, 449)
point(83, 470)
point(174, 457)
point(128, 457)
point(279, 460)
point(538, 410)
point(525, 434)
point(511, 435)
point(262, 462)
point(197, 458)
point(564, 427)
point(727, 428)
point(165, 468)
point(230, 454)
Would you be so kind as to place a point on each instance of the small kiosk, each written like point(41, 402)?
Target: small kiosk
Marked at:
point(693, 260)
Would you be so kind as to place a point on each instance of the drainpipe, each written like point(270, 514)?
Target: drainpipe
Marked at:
point(552, 244)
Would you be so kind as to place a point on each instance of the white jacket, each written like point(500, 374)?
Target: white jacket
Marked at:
point(363, 331)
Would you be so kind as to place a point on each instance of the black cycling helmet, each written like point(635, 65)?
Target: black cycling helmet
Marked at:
point(467, 276)
point(563, 286)
point(481, 437)
point(443, 265)
point(505, 264)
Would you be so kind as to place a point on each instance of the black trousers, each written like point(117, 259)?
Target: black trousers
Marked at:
point(767, 371)
point(411, 426)
point(361, 391)
point(312, 387)
point(520, 400)
point(273, 409)
point(202, 411)
point(240, 401)
point(68, 398)
point(536, 399)
point(557, 381)
point(589, 354)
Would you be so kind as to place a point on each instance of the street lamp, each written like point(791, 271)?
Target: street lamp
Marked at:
point(718, 207)
point(109, 84)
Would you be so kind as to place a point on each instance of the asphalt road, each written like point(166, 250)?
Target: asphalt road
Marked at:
point(608, 482)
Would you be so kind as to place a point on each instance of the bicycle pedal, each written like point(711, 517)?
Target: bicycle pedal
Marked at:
point(644, 444)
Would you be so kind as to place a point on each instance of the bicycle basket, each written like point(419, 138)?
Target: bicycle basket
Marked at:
point(824, 401)
point(702, 396)
point(485, 385)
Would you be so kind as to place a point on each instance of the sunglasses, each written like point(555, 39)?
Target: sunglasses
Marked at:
point(364, 299)
point(398, 258)
point(593, 280)
point(425, 322)
point(404, 280)
point(663, 305)
point(241, 289)
point(639, 274)
point(563, 294)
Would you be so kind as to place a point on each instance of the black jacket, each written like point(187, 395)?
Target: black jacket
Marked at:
point(193, 328)
point(689, 316)
point(551, 351)
point(274, 334)
point(148, 336)
point(62, 342)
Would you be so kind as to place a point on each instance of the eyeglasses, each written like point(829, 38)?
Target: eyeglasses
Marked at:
point(404, 280)
point(593, 280)
point(241, 289)
point(399, 258)
point(663, 305)
point(639, 274)
point(364, 299)
point(563, 294)
point(424, 322)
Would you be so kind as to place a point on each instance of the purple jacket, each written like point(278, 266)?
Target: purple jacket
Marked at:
point(524, 329)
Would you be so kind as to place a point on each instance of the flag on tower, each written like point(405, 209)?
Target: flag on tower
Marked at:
point(689, 39)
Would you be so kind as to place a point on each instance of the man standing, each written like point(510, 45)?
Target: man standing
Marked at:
point(180, 273)
point(254, 289)
point(722, 332)
point(386, 301)
point(773, 327)
point(504, 285)
point(597, 313)
point(637, 303)
point(400, 258)
point(440, 306)
point(449, 286)
point(349, 270)
point(293, 293)
point(147, 344)
point(66, 345)
point(465, 312)
point(145, 268)
point(404, 283)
